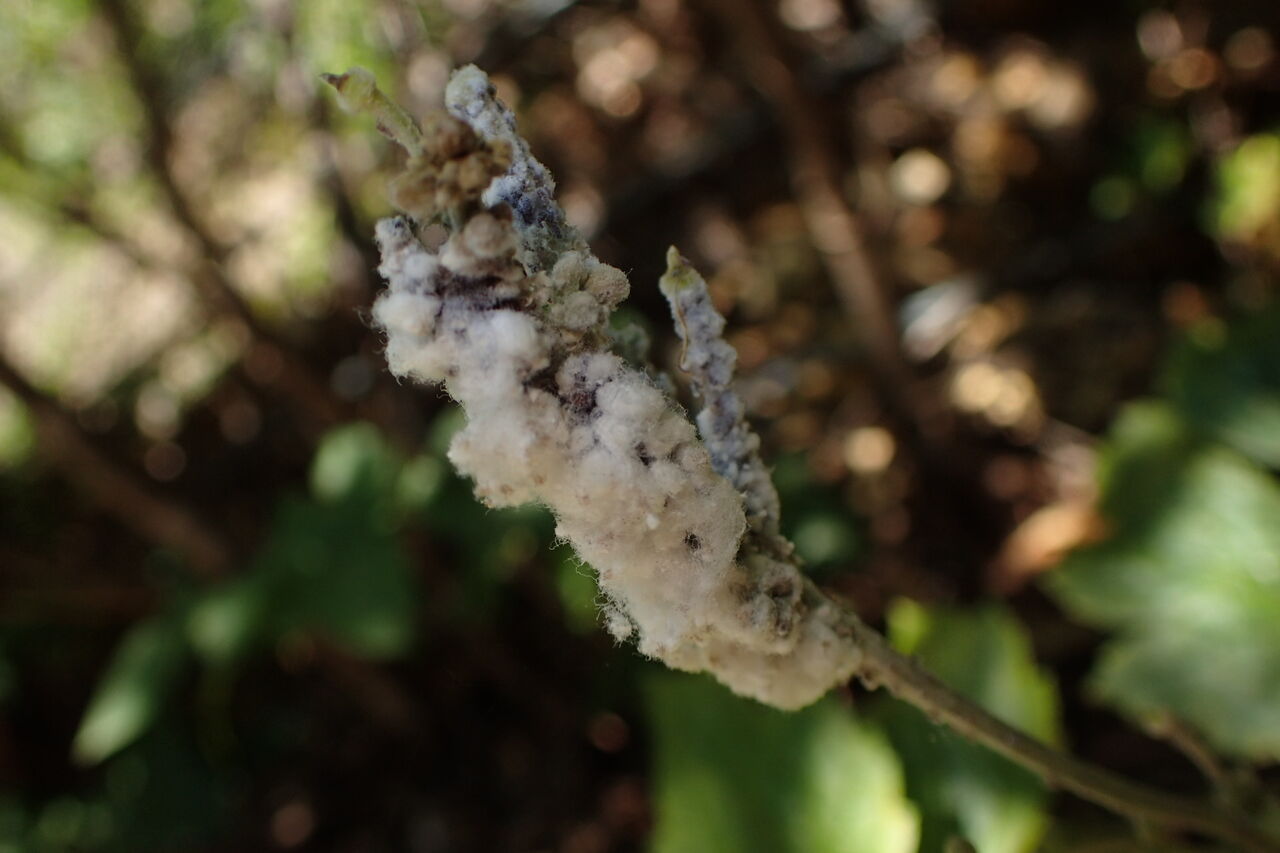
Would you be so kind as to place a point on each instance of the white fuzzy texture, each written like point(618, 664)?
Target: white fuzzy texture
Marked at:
point(511, 315)
point(631, 485)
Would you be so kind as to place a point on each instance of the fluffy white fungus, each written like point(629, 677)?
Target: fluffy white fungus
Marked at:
point(511, 317)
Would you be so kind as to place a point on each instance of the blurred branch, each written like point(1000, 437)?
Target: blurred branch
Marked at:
point(113, 487)
point(77, 605)
point(297, 376)
point(885, 667)
point(816, 179)
point(946, 459)
point(378, 695)
point(1233, 786)
point(122, 493)
point(79, 214)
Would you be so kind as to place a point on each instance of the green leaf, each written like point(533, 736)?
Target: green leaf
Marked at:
point(733, 776)
point(963, 789)
point(1189, 582)
point(1227, 384)
point(341, 575)
point(1248, 189)
point(353, 462)
point(332, 565)
point(130, 696)
point(228, 621)
point(17, 431)
point(338, 566)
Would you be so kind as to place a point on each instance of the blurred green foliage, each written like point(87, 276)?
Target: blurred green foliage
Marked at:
point(1189, 579)
point(732, 776)
point(1154, 158)
point(381, 552)
point(960, 788)
point(1225, 381)
point(332, 568)
point(17, 433)
point(1248, 191)
point(333, 564)
point(826, 537)
point(133, 690)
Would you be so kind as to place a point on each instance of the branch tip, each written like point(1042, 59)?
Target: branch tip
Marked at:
point(358, 93)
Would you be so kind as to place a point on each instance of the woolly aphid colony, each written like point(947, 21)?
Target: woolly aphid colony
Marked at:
point(511, 314)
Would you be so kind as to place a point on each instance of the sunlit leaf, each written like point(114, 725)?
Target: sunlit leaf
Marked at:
point(1189, 582)
point(228, 621)
point(17, 433)
point(733, 776)
point(332, 566)
point(134, 688)
point(961, 788)
point(1248, 188)
point(353, 461)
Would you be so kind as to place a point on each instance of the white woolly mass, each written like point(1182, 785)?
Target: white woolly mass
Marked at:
point(511, 315)
point(556, 419)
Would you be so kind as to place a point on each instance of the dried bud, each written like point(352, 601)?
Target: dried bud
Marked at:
point(451, 170)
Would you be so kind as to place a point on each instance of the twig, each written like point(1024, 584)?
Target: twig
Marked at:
point(113, 487)
point(907, 680)
point(815, 174)
point(296, 376)
point(1232, 786)
point(779, 641)
point(815, 177)
point(122, 493)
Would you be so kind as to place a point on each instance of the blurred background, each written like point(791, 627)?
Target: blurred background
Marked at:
point(1002, 276)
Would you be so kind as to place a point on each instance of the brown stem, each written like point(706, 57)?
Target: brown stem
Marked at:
point(1233, 785)
point(816, 180)
point(884, 667)
point(296, 376)
point(113, 487)
point(122, 493)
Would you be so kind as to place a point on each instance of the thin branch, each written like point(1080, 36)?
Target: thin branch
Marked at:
point(1232, 785)
point(121, 492)
point(816, 180)
point(884, 667)
point(814, 169)
point(296, 376)
point(114, 488)
point(778, 640)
